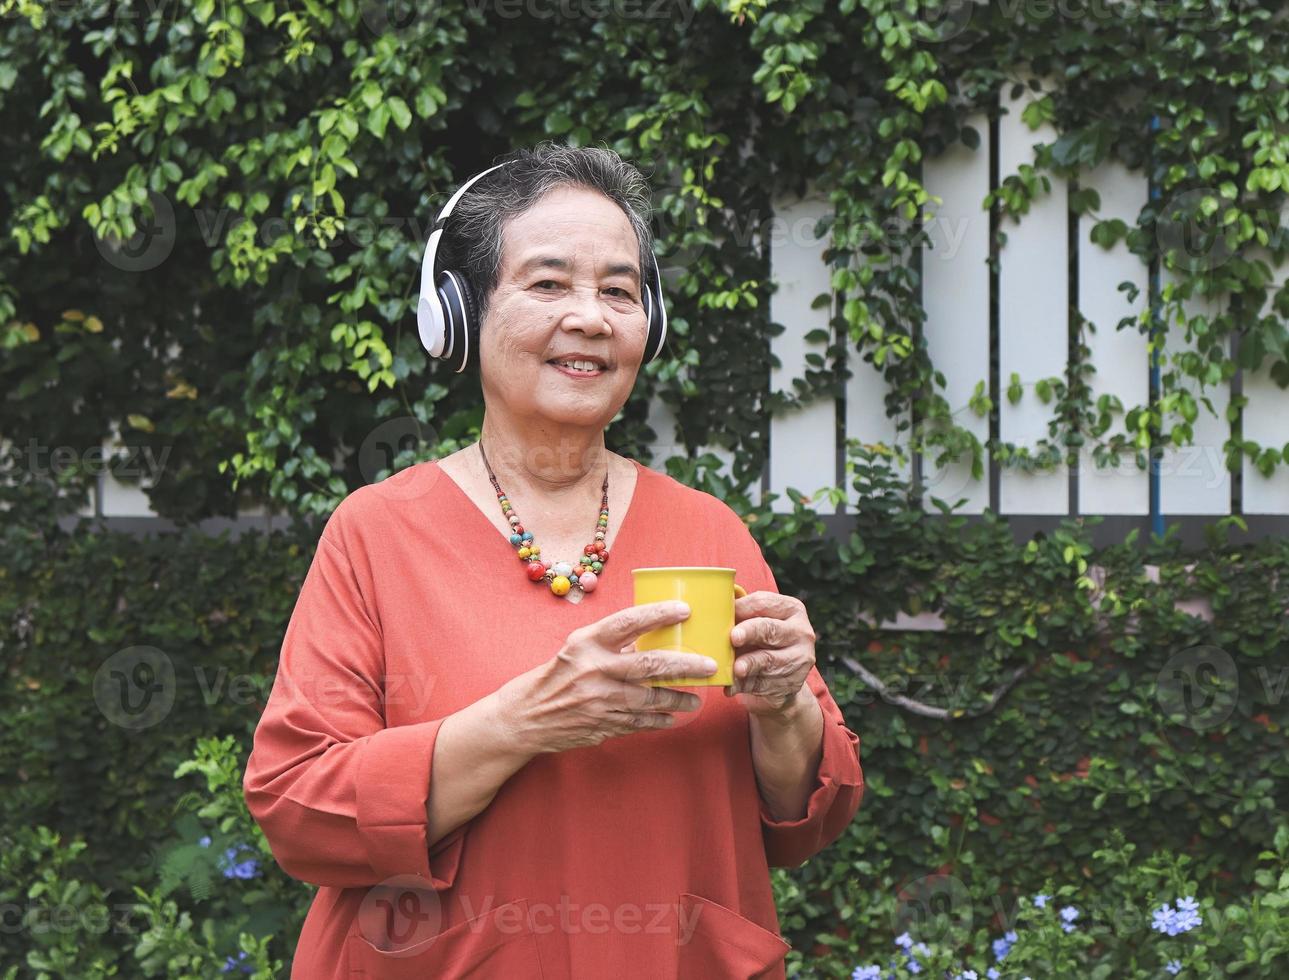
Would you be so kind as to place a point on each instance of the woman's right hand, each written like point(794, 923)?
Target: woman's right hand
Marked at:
point(593, 688)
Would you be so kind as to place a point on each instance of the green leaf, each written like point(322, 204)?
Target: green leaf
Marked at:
point(401, 114)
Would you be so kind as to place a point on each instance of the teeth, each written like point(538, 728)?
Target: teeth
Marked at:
point(579, 365)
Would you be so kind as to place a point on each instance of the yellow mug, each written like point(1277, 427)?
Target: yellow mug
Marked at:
point(710, 594)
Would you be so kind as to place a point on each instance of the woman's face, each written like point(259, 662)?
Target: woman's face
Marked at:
point(569, 283)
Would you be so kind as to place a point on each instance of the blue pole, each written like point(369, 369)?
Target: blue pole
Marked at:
point(1156, 514)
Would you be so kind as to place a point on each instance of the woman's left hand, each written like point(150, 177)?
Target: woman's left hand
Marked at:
point(774, 649)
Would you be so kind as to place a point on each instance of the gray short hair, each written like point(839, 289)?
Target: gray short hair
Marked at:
point(473, 235)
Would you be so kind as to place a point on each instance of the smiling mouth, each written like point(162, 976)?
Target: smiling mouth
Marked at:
point(568, 368)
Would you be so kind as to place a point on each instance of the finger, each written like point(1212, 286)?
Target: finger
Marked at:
point(767, 603)
point(638, 697)
point(658, 665)
point(626, 722)
point(749, 666)
point(617, 630)
point(763, 632)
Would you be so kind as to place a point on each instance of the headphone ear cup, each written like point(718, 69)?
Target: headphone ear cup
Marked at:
point(471, 324)
point(657, 333)
point(458, 302)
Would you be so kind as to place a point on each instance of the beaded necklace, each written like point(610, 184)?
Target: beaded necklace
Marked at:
point(571, 581)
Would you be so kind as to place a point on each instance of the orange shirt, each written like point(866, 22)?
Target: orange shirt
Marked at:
point(646, 856)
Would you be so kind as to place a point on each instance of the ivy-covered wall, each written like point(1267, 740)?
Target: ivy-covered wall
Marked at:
point(218, 208)
point(216, 212)
point(1069, 715)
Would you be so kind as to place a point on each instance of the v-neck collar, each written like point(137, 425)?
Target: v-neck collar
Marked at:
point(626, 527)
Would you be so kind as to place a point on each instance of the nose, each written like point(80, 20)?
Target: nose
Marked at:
point(585, 312)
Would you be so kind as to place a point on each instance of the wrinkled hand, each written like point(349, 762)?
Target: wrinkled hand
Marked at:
point(774, 649)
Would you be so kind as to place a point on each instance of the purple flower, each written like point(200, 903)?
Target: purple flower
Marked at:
point(204, 841)
point(1185, 918)
point(992, 973)
point(247, 869)
point(1173, 966)
point(1040, 901)
point(967, 975)
point(231, 964)
point(1188, 916)
point(1003, 946)
point(905, 942)
point(867, 973)
point(1069, 914)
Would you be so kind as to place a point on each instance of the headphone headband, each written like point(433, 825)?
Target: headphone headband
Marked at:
point(447, 310)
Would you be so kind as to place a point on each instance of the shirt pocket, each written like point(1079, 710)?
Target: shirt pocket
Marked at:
point(715, 941)
point(498, 943)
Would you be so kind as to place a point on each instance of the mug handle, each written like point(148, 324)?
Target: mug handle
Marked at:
point(739, 591)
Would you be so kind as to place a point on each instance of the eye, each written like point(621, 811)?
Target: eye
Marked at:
point(547, 284)
point(623, 293)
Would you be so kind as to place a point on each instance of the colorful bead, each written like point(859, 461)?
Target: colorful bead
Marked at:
point(562, 576)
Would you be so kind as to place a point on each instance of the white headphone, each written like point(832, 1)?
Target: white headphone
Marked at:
point(447, 313)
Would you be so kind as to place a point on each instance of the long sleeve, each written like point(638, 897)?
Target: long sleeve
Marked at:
point(839, 787)
point(340, 797)
point(839, 783)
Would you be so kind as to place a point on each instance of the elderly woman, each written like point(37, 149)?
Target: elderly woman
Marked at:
point(472, 767)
